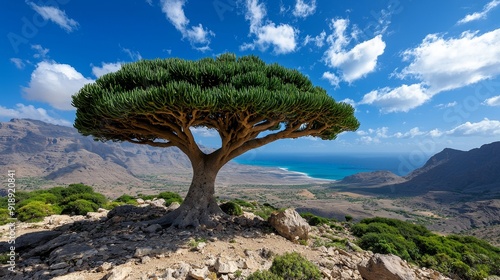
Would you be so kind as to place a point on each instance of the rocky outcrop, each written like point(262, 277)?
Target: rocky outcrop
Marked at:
point(121, 245)
point(290, 225)
point(387, 267)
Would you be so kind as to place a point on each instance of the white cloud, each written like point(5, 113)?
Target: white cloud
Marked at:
point(18, 62)
point(401, 99)
point(333, 79)
point(357, 62)
point(150, 2)
point(54, 83)
point(349, 101)
point(318, 40)
point(493, 101)
point(106, 68)
point(480, 15)
point(196, 35)
point(448, 105)
point(304, 10)
point(204, 132)
point(132, 54)
point(41, 52)
point(22, 111)
point(55, 15)
point(446, 64)
point(485, 127)
point(410, 134)
point(282, 37)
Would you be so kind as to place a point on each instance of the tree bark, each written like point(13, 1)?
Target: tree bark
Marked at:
point(200, 206)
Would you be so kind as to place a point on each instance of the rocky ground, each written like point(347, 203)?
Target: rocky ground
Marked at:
point(119, 245)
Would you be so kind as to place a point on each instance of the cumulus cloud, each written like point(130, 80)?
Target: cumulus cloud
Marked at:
point(493, 101)
point(54, 83)
point(351, 64)
point(318, 40)
point(333, 79)
point(304, 10)
point(441, 64)
point(18, 62)
point(55, 15)
point(106, 68)
point(41, 52)
point(448, 105)
point(400, 99)
point(281, 37)
point(22, 111)
point(414, 132)
point(485, 127)
point(198, 36)
point(446, 64)
point(480, 15)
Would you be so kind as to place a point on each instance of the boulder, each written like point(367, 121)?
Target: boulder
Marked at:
point(389, 267)
point(290, 225)
point(119, 273)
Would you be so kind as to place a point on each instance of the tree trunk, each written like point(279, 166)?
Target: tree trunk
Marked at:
point(199, 206)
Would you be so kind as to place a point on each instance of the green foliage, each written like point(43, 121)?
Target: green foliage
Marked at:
point(244, 203)
point(80, 207)
point(461, 257)
point(231, 208)
point(126, 199)
point(225, 85)
point(294, 266)
point(34, 211)
point(96, 198)
point(4, 216)
point(264, 275)
point(314, 220)
point(348, 218)
point(170, 197)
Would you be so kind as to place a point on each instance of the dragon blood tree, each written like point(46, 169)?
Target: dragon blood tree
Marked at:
point(248, 102)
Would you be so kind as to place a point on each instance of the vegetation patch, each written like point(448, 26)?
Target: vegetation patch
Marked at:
point(289, 266)
point(461, 257)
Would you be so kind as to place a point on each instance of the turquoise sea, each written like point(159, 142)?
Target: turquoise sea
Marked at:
point(329, 166)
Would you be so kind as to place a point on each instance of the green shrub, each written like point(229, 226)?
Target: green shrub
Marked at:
point(170, 197)
point(80, 207)
point(4, 216)
point(294, 266)
point(264, 275)
point(456, 256)
point(127, 199)
point(314, 220)
point(244, 203)
point(231, 208)
point(96, 198)
point(348, 218)
point(34, 211)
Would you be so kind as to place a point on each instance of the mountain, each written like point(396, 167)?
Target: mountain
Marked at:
point(44, 154)
point(466, 172)
point(60, 154)
point(474, 171)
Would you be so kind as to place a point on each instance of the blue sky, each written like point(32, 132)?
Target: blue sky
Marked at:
point(422, 75)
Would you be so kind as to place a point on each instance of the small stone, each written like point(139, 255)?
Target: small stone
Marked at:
point(199, 274)
point(104, 267)
point(225, 267)
point(58, 266)
point(152, 228)
point(119, 273)
point(145, 259)
point(142, 251)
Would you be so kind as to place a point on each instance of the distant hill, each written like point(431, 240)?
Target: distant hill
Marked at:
point(466, 172)
point(60, 154)
point(45, 154)
point(474, 171)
